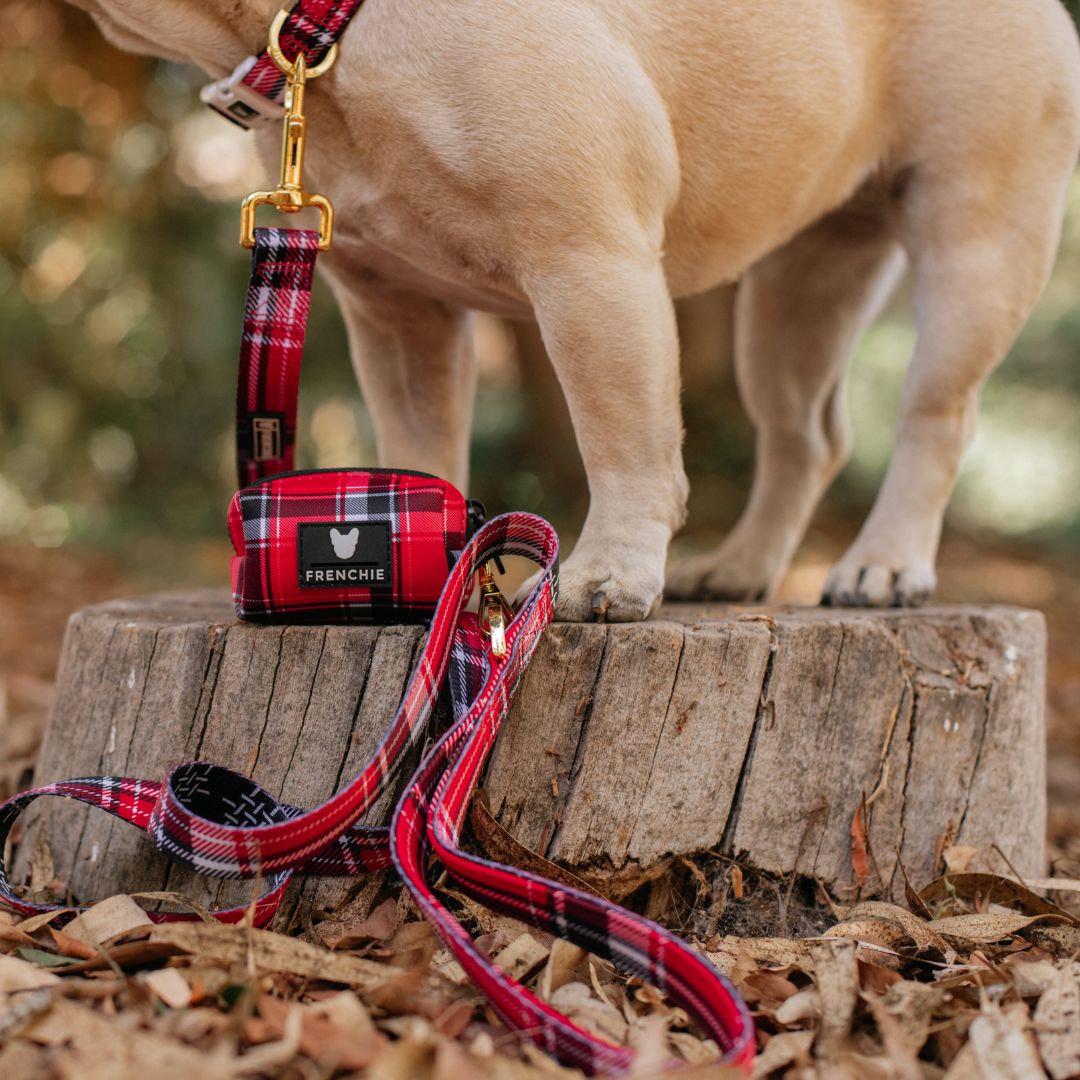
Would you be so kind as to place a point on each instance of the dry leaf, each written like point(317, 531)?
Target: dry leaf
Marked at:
point(66, 945)
point(915, 928)
point(991, 888)
point(562, 963)
point(787, 1048)
point(805, 1005)
point(97, 1048)
point(107, 920)
point(836, 975)
point(16, 974)
point(967, 930)
point(724, 953)
point(958, 857)
point(577, 1001)
point(169, 986)
point(521, 956)
point(378, 926)
point(1057, 1025)
point(320, 1038)
point(1002, 1051)
point(273, 952)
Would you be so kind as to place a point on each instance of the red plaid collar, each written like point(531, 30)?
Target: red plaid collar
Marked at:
point(251, 95)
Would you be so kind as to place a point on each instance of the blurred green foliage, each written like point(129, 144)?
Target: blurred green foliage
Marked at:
point(121, 287)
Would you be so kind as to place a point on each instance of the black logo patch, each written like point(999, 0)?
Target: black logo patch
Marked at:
point(347, 553)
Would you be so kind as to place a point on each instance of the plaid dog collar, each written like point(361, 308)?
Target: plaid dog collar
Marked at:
point(251, 96)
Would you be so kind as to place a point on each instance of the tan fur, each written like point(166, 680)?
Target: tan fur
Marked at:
point(585, 161)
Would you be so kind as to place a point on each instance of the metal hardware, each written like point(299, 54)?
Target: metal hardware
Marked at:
point(289, 196)
point(238, 102)
point(495, 611)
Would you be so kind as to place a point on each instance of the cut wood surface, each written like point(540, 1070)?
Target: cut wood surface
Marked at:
point(752, 732)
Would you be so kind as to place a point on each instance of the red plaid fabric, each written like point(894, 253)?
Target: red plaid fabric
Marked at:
point(311, 28)
point(222, 824)
point(271, 349)
point(427, 522)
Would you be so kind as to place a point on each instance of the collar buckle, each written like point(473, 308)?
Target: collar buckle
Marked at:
point(236, 101)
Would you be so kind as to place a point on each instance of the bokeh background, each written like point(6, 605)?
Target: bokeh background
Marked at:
point(121, 288)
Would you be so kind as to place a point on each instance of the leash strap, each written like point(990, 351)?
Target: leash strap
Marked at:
point(222, 824)
point(271, 350)
point(251, 96)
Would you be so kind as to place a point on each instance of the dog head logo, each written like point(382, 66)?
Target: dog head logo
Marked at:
point(344, 543)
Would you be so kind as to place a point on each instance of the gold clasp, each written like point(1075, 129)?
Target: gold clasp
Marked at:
point(289, 196)
point(495, 611)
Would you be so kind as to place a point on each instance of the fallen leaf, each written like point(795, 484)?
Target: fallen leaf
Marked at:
point(805, 1005)
point(273, 952)
point(378, 926)
point(320, 1038)
point(958, 857)
point(66, 945)
point(915, 928)
point(577, 1001)
point(787, 1048)
point(100, 1048)
point(1057, 1025)
point(1003, 1051)
point(724, 952)
point(169, 986)
point(836, 976)
point(563, 962)
point(16, 974)
point(992, 888)
point(522, 955)
point(45, 959)
point(107, 920)
point(983, 929)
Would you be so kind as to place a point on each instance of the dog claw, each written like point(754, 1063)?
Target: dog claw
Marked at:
point(600, 605)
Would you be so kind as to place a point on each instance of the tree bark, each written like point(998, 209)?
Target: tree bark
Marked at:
point(752, 732)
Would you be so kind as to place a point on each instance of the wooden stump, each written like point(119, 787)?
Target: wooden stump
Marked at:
point(751, 732)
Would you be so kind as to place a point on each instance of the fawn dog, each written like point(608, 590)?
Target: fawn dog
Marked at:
point(584, 162)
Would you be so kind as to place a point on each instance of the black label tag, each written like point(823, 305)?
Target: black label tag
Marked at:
point(346, 554)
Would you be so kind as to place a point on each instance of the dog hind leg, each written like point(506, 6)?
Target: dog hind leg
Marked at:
point(981, 235)
point(798, 314)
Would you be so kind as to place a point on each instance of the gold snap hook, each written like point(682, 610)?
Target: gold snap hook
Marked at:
point(289, 196)
point(495, 611)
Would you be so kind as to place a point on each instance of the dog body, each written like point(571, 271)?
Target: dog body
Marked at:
point(584, 162)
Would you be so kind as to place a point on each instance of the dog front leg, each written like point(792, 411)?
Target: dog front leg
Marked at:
point(415, 363)
point(609, 327)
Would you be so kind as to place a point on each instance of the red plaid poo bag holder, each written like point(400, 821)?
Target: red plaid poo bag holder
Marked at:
point(323, 545)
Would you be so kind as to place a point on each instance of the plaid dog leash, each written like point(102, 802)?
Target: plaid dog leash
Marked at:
point(222, 824)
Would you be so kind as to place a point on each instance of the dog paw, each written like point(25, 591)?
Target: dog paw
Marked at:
point(859, 581)
point(592, 591)
point(714, 577)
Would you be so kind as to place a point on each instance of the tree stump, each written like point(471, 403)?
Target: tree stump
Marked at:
point(752, 732)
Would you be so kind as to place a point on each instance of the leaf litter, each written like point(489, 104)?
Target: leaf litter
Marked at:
point(975, 979)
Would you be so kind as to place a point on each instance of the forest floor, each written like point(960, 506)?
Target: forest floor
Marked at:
point(975, 978)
